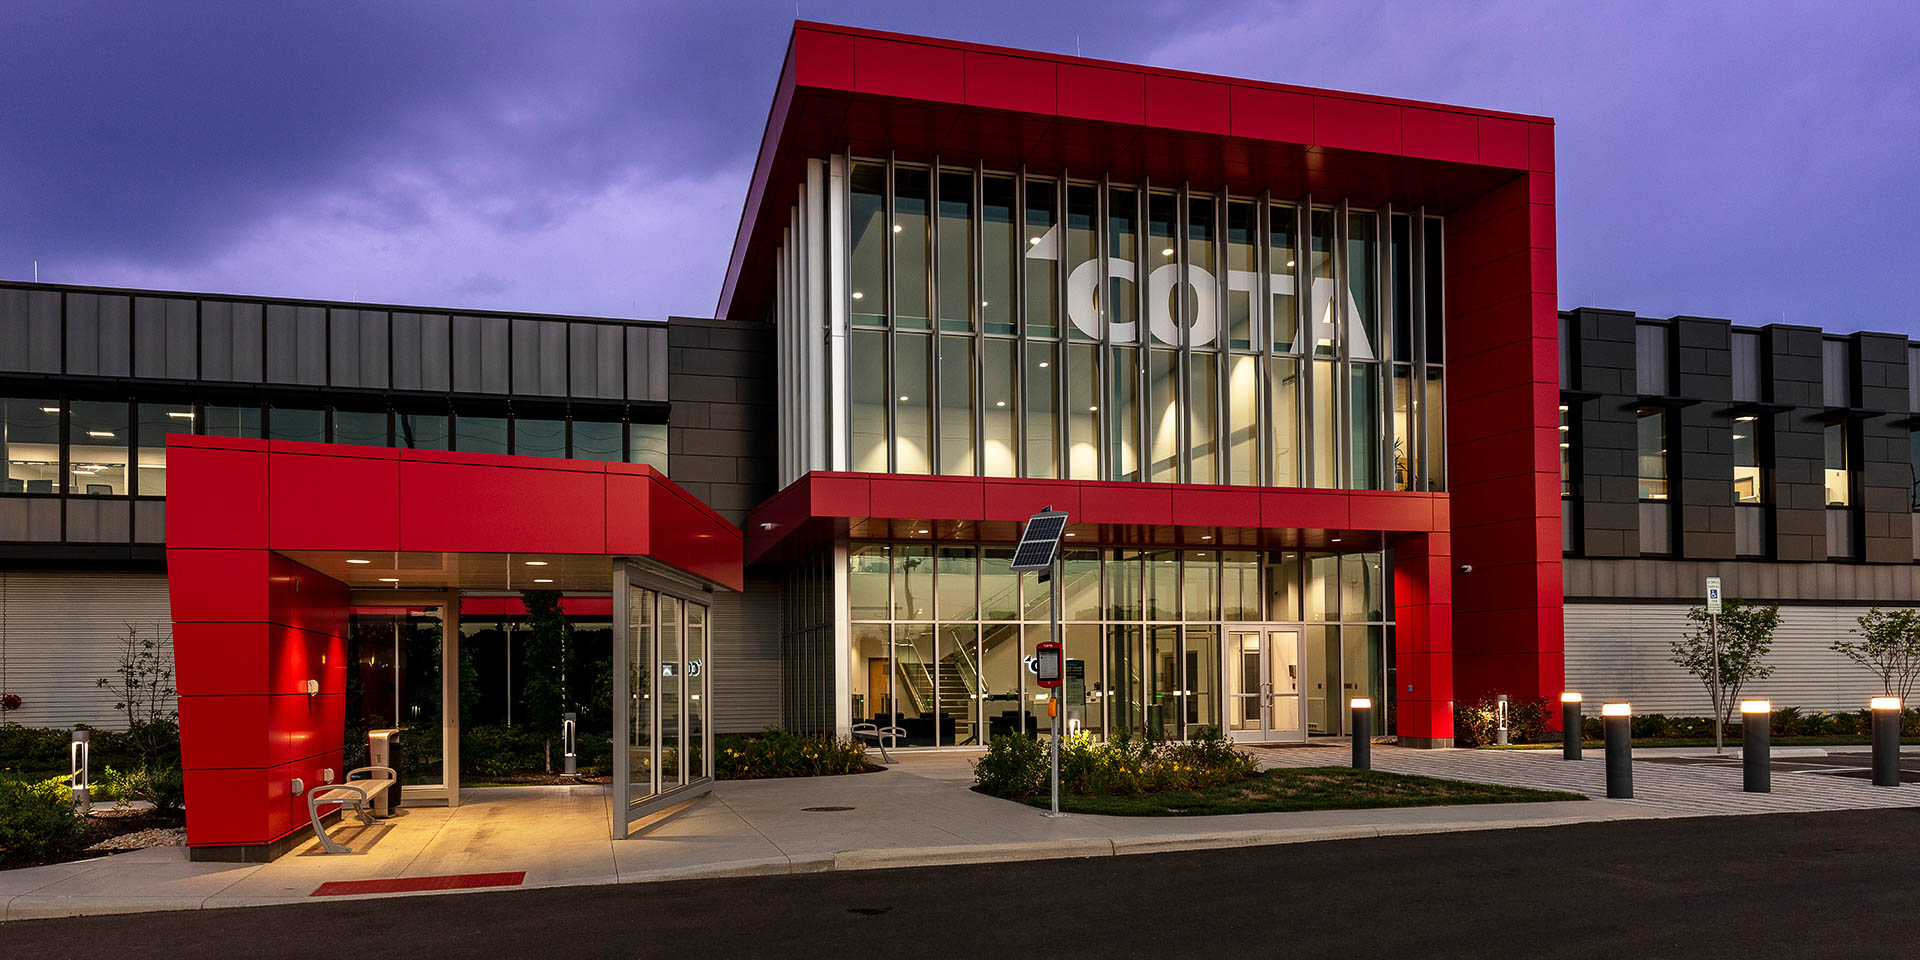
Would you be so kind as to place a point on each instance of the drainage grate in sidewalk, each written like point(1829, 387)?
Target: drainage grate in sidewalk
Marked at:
point(460, 881)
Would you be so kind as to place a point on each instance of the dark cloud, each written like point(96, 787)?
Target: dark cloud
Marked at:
point(1724, 160)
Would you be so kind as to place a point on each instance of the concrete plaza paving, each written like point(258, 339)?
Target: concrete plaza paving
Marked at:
point(917, 812)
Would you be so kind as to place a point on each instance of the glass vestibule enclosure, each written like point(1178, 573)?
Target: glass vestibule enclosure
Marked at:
point(397, 678)
point(1165, 643)
point(662, 683)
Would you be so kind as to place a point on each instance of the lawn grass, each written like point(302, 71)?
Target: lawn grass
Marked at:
point(1305, 788)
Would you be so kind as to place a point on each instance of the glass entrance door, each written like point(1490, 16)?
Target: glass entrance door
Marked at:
point(1263, 684)
point(661, 695)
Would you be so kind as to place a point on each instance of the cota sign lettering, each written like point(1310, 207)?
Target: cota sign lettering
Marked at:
point(1083, 308)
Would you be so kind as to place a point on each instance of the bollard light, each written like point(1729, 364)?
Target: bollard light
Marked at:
point(79, 753)
point(1500, 730)
point(1362, 728)
point(1886, 741)
point(1570, 730)
point(1756, 744)
point(1618, 718)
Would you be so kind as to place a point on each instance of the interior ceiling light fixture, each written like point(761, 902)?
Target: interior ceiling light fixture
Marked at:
point(542, 580)
point(357, 560)
point(536, 563)
point(389, 579)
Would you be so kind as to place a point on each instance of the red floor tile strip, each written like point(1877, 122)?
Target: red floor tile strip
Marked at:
point(459, 881)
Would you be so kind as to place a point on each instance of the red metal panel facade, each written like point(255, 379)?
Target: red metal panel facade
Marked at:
point(252, 627)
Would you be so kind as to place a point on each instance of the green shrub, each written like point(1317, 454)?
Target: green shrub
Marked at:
point(164, 787)
point(1013, 766)
point(782, 753)
point(1475, 724)
point(35, 816)
point(1017, 765)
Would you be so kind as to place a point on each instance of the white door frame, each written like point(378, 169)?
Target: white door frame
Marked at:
point(1270, 698)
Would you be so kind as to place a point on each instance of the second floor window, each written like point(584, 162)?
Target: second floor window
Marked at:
point(1839, 474)
point(1747, 486)
point(1653, 453)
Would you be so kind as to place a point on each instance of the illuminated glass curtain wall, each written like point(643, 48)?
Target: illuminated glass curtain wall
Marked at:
point(1001, 324)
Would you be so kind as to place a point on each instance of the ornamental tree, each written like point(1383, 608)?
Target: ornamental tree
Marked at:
point(1889, 645)
point(1746, 637)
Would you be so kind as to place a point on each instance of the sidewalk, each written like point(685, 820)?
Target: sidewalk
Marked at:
point(918, 812)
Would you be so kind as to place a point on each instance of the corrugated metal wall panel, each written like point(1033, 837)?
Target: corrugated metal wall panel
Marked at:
point(1620, 651)
point(746, 653)
point(63, 631)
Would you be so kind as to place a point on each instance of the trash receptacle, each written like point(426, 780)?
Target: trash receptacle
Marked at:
point(383, 750)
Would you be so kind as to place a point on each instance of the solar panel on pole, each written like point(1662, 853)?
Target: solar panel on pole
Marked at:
point(1040, 541)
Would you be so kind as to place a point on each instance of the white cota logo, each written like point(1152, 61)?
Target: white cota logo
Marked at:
point(1083, 308)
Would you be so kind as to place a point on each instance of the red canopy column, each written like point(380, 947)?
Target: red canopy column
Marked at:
point(1423, 639)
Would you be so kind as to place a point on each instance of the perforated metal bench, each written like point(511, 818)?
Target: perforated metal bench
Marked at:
point(350, 794)
point(879, 735)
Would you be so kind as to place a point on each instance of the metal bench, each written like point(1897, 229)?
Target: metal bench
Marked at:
point(357, 795)
point(879, 735)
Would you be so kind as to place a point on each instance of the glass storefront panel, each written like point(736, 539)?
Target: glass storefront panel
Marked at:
point(368, 428)
point(999, 585)
point(998, 407)
point(1125, 573)
point(1240, 599)
point(871, 673)
point(1198, 314)
point(1036, 696)
point(1242, 261)
point(1079, 700)
point(1083, 413)
point(1283, 421)
point(1043, 454)
point(1162, 568)
point(671, 676)
point(1364, 426)
point(868, 565)
point(97, 438)
point(1043, 272)
point(913, 408)
point(959, 649)
point(1000, 254)
point(1322, 647)
point(538, 438)
point(1162, 305)
point(419, 431)
point(912, 187)
point(1400, 461)
point(641, 686)
point(1080, 585)
point(699, 706)
point(1243, 421)
point(289, 423)
point(597, 440)
point(867, 398)
point(1325, 416)
point(1200, 585)
point(1283, 586)
point(1001, 672)
point(1323, 587)
point(647, 443)
point(1086, 319)
point(912, 581)
point(956, 252)
point(1163, 412)
point(1363, 279)
point(157, 420)
point(1123, 247)
point(1203, 417)
point(1280, 254)
point(1201, 650)
point(1121, 688)
point(394, 682)
point(1323, 307)
point(956, 406)
point(1434, 465)
point(1123, 414)
point(470, 434)
point(1165, 698)
point(915, 682)
point(956, 578)
point(867, 263)
point(241, 422)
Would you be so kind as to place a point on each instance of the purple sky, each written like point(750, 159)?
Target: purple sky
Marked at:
point(1739, 160)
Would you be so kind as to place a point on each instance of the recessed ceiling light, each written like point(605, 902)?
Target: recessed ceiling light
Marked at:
point(857, 295)
point(1168, 252)
point(1206, 536)
point(1070, 533)
point(389, 579)
point(49, 409)
point(983, 303)
point(180, 414)
point(896, 228)
point(1032, 240)
point(536, 563)
point(99, 433)
point(999, 403)
point(1289, 263)
point(542, 580)
point(1336, 539)
point(1566, 446)
point(903, 398)
point(1093, 409)
point(1044, 364)
point(1564, 428)
point(922, 531)
point(356, 560)
point(1749, 418)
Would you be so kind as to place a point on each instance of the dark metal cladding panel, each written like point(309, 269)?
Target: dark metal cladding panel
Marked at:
point(526, 357)
point(29, 331)
point(183, 339)
point(608, 358)
point(98, 341)
point(583, 372)
point(657, 364)
point(249, 345)
point(166, 336)
point(636, 364)
point(216, 340)
point(283, 343)
point(406, 351)
point(466, 354)
point(373, 348)
point(343, 342)
point(495, 348)
point(149, 521)
point(436, 357)
point(311, 362)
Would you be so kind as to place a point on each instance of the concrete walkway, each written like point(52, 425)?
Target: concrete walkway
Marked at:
point(918, 812)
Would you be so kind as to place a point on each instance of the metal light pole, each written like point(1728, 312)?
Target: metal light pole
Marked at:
point(1053, 698)
point(1713, 636)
